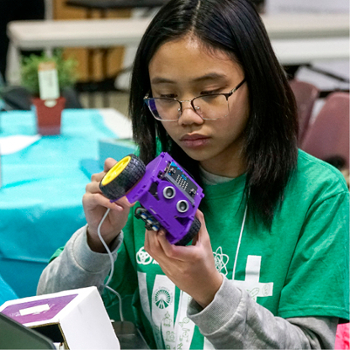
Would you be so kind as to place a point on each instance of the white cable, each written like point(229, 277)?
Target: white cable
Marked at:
point(112, 261)
point(239, 242)
point(112, 265)
point(120, 302)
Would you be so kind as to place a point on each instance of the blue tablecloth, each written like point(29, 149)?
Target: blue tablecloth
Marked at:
point(41, 193)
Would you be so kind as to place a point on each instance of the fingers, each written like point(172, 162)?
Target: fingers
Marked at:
point(98, 176)
point(94, 199)
point(200, 217)
point(203, 235)
point(109, 163)
point(170, 250)
point(93, 186)
point(157, 245)
point(93, 195)
point(124, 202)
point(187, 253)
point(152, 246)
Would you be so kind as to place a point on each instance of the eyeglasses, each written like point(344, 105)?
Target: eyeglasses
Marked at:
point(208, 107)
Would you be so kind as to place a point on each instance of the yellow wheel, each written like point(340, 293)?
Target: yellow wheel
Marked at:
point(122, 177)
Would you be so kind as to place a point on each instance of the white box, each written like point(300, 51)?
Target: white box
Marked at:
point(75, 317)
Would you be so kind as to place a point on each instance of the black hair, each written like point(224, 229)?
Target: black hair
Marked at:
point(234, 27)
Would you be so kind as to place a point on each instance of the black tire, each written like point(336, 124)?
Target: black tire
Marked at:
point(122, 177)
point(195, 227)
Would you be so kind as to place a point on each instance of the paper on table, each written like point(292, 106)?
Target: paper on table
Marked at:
point(15, 143)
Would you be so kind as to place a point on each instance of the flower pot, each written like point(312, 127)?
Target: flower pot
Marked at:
point(48, 113)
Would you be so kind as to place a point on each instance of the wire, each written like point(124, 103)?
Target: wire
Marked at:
point(121, 316)
point(239, 242)
point(112, 260)
point(106, 285)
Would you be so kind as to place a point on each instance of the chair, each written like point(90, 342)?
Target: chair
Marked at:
point(327, 137)
point(306, 95)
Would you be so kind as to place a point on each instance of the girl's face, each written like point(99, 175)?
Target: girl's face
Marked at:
point(185, 69)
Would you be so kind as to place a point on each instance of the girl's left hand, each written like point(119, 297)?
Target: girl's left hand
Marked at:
point(191, 268)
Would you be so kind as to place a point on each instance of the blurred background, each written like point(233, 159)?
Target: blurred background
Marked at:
point(44, 168)
point(104, 70)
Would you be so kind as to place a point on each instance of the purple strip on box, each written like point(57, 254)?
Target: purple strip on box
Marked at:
point(43, 309)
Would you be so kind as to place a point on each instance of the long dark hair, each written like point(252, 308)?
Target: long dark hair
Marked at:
point(235, 27)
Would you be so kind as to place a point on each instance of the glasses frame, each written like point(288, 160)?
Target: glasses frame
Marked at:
point(227, 95)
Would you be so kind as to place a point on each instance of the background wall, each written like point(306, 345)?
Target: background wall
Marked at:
point(273, 6)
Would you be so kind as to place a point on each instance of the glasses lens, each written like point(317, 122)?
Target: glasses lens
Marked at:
point(211, 106)
point(164, 108)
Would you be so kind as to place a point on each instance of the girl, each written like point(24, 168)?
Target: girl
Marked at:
point(268, 269)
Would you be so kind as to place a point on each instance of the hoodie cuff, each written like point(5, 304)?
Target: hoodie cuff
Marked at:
point(219, 311)
point(89, 260)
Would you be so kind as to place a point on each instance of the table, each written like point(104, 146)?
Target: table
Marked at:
point(296, 38)
point(90, 34)
point(43, 185)
point(76, 33)
point(305, 51)
point(306, 25)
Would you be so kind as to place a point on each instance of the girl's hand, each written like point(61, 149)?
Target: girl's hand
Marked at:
point(191, 268)
point(95, 205)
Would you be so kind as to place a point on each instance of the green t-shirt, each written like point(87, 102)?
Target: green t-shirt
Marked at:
point(299, 268)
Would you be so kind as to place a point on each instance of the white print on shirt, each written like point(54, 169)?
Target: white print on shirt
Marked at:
point(160, 313)
point(143, 258)
point(251, 283)
point(221, 261)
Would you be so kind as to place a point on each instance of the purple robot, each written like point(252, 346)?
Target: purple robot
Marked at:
point(169, 197)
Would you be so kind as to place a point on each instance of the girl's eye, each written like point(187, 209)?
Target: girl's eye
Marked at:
point(168, 96)
point(210, 92)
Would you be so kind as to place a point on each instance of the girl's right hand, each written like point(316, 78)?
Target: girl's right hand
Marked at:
point(95, 205)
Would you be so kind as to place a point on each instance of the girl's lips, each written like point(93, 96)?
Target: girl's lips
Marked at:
point(193, 141)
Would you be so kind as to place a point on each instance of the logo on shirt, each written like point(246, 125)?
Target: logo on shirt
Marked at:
point(162, 298)
point(221, 261)
point(252, 283)
point(143, 258)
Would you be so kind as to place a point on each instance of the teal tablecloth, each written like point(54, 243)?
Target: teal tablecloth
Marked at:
point(41, 193)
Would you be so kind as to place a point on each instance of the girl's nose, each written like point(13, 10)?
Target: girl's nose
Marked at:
point(188, 115)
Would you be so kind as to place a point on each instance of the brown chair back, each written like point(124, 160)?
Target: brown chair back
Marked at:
point(306, 95)
point(328, 136)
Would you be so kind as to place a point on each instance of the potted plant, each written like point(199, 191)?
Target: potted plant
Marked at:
point(45, 77)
